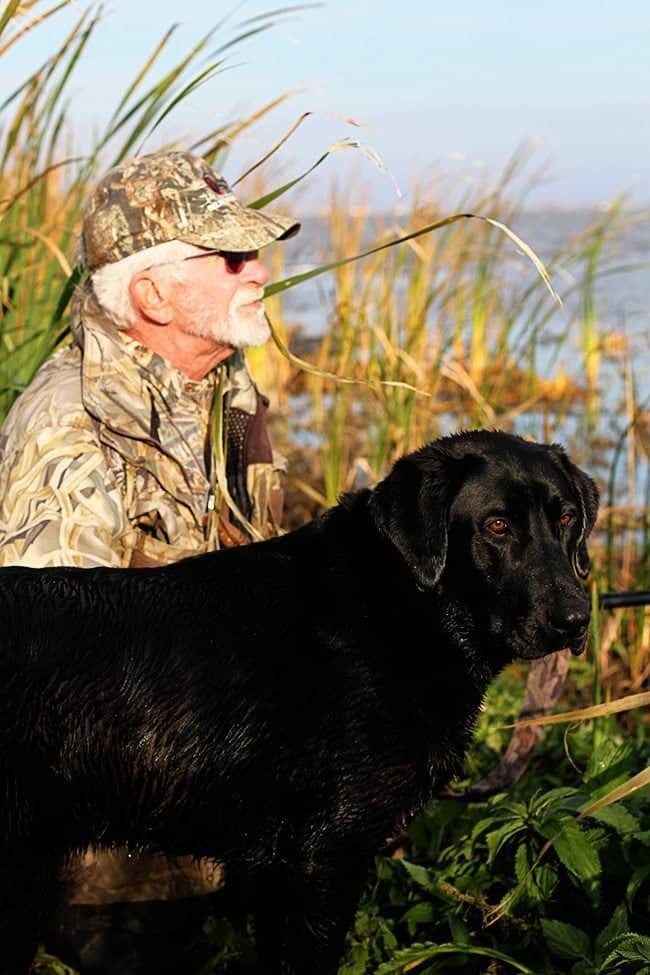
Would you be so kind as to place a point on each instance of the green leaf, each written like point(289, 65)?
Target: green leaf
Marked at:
point(545, 804)
point(546, 880)
point(420, 875)
point(409, 958)
point(616, 927)
point(51, 965)
point(385, 867)
point(522, 863)
point(483, 826)
point(458, 929)
point(618, 817)
point(422, 913)
point(416, 955)
point(630, 948)
point(500, 837)
point(634, 947)
point(612, 756)
point(539, 883)
point(582, 968)
point(575, 850)
point(386, 935)
point(565, 940)
point(636, 881)
point(356, 959)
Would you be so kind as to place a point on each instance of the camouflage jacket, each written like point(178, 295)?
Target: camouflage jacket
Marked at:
point(105, 459)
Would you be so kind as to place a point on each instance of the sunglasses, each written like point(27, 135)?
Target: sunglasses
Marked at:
point(235, 260)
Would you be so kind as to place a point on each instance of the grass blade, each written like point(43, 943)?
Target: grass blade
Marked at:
point(639, 781)
point(8, 13)
point(191, 86)
point(6, 205)
point(530, 254)
point(628, 703)
point(291, 282)
point(270, 197)
point(24, 30)
point(337, 147)
point(409, 959)
point(143, 72)
point(52, 247)
point(255, 118)
point(282, 12)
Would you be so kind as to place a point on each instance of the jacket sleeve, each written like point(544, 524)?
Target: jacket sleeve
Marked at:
point(58, 502)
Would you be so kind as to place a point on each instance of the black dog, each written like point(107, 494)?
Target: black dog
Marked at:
point(281, 707)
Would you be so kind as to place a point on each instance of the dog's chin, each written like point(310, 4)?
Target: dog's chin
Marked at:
point(578, 645)
point(533, 653)
point(537, 651)
point(578, 648)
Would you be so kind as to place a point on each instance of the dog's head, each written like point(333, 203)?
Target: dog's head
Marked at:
point(498, 526)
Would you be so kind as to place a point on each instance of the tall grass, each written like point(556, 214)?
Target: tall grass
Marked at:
point(411, 316)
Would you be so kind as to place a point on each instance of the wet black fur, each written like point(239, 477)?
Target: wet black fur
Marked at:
point(281, 707)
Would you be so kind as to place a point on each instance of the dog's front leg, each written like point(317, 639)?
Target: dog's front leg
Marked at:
point(302, 916)
point(29, 887)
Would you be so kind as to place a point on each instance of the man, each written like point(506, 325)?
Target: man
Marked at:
point(109, 457)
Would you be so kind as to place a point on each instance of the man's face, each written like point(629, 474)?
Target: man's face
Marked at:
point(222, 300)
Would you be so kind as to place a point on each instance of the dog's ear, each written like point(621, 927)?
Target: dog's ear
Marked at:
point(588, 497)
point(411, 509)
point(588, 494)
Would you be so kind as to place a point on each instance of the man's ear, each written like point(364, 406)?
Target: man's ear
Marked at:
point(149, 299)
point(411, 509)
point(588, 498)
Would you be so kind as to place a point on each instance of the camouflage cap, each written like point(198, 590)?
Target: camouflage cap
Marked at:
point(171, 196)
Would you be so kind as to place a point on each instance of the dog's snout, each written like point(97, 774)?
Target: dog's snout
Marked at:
point(571, 618)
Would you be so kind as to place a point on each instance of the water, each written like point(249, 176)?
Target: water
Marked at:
point(622, 293)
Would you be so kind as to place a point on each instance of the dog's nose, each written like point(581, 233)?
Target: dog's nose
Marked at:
point(571, 619)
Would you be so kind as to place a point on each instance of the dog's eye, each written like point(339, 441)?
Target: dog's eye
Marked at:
point(566, 519)
point(498, 526)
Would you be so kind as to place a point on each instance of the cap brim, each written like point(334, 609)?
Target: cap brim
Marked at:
point(238, 228)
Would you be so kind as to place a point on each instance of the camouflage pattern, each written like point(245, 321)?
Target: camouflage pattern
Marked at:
point(171, 196)
point(104, 456)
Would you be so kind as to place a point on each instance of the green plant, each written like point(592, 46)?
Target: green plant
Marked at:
point(582, 909)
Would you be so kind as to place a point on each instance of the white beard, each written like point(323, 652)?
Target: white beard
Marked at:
point(242, 331)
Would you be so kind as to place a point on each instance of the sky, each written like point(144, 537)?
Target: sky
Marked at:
point(444, 93)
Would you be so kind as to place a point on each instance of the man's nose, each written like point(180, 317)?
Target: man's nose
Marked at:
point(255, 272)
